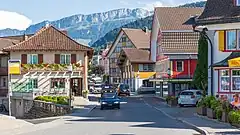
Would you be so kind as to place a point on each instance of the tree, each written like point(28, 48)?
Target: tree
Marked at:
point(96, 69)
point(200, 78)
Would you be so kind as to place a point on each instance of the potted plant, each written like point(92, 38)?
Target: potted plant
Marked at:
point(208, 101)
point(201, 107)
point(172, 100)
point(85, 93)
point(214, 105)
point(226, 108)
point(234, 118)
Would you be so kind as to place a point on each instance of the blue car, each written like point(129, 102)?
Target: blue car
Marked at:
point(109, 100)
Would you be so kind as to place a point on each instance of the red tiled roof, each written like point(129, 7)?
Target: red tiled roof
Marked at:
point(172, 18)
point(5, 42)
point(48, 38)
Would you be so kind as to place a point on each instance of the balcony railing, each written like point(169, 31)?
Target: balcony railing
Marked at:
point(50, 67)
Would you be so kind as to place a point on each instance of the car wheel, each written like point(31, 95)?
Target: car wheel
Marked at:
point(181, 105)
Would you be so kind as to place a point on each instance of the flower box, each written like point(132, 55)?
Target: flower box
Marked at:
point(202, 111)
point(211, 114)
point(224, 117)
point(173, 102)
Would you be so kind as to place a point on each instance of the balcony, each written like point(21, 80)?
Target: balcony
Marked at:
point(50, 67)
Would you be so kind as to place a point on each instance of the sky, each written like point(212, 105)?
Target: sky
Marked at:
point(19, 14)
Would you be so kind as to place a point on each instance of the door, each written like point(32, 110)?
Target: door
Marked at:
point(76, 86)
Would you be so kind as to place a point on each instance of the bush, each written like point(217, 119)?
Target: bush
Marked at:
point(218, 111)
point(234, 117)
point(170, 98)
point(63, 100)
point(208, 100)
point(201, 103)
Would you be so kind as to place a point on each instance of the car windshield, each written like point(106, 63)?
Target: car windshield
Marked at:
point(108, 95)
point(186, 93)
point(124, 86)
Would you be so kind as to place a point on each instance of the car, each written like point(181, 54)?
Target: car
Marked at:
point(189, 97)
point(97, 88)
point(109, 100)
point(123, 89)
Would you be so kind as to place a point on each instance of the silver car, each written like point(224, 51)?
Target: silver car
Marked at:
point(189, 97)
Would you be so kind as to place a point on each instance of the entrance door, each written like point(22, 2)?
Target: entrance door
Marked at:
point(76, 86)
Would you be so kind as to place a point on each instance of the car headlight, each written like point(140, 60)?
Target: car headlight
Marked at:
point(116, 102)
point(104, 102)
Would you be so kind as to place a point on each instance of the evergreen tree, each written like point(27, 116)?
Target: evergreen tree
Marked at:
point(200, 78)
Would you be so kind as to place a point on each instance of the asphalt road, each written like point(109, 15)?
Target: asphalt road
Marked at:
point(134, 118)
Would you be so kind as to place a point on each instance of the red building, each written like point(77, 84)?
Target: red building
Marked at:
point(177, 48)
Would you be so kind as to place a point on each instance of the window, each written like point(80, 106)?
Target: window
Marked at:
point(231, 40)
point(114, 70)
point(150, 67)
point(145, 67)
point(4, 61)
point(199, 93)
point(57, 83)
point(147, 83)
point(65, 58)
point(186, 93)
point(237, 2)
point(179, 66)
point(32, 84)
point(4, 82)
point(32, 59)
point(124, 39)
point(235, 80)
point(224, 80)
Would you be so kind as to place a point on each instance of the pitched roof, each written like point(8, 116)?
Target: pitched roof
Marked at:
point(48, 38)
point(172, 18)
point(219, 11)
point(138, 37)
point(5, 42)
point(180, 42)
point(137, 55)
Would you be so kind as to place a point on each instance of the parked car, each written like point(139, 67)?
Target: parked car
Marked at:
point(189, 97)
point(123, 89)
point(97, 88)
point(109, 100)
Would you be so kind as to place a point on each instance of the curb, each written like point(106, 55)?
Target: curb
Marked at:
point(200, 130)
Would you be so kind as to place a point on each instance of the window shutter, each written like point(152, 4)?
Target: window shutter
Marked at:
point(73, 58)
point(40, 58)
point(221, 40)
point(24, 58)
point(57, 58)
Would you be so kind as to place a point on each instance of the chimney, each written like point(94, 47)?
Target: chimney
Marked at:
point(25, 37)
point(145, 29)
point(65, 32)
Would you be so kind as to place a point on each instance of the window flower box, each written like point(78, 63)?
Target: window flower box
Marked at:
point(211, 113)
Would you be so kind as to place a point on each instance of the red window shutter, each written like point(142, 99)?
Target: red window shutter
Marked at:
point(73, 58)
point(40, 58)
point(24, 58)
point(57, 58)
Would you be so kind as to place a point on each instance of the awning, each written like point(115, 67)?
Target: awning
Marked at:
point(170, 80)
point(233, 60)
point(144, 75)
point(53, 74)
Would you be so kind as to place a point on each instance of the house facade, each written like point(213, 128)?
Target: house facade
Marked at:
point(104, 61)
point(222, 25)
point(137, 69)
point(51, 64)
point(174, 48)
point(127, 38)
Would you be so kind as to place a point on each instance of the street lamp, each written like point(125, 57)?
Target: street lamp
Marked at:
point(203, 32)
point(138, 73)
point(70, 69)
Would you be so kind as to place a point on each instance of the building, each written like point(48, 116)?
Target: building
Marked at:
point(96, 59)
point(104, 62)
point(221, 21)
point(126, 38)
point(137, 69)
point(51, 64)
point(174, 48)
point(4, 42)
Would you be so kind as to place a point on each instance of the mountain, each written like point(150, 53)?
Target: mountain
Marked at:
point(138, 24)
point(88, 28)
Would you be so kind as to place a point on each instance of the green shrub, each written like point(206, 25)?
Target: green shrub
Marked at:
point(208, 100)
point(201, 103)
point(226, 106)
point(234, 117)
point(218, 111)
point(54, 99)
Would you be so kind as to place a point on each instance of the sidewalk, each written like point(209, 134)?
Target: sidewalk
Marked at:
point(188, 116)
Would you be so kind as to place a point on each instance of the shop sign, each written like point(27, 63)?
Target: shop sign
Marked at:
point(234, 62)
point(14, 67)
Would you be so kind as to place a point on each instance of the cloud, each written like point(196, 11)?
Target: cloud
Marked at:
point(150, 6)
point(124, 2)
point(13, 20)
